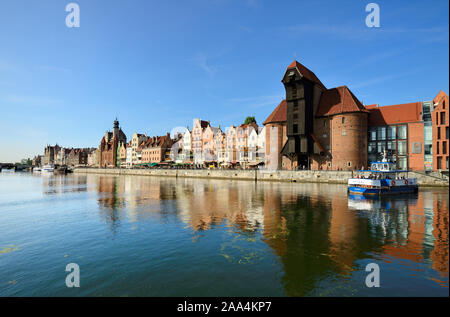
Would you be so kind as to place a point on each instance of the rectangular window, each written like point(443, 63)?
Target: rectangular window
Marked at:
point(439, 163)
point(401, 132)
point(391, 132)
point(402, 147)
point(402, 163)
point(446, 133)
point(442, 117)
point(392, 148)
point(381, 133)
point(343, 120)
point(372, 148)
point(295, 128)
point(372, 134)
point(444, 147)
point(437, 147)
point(439, 133)
point(428, 149)
point(381, 146)
point(446, 162)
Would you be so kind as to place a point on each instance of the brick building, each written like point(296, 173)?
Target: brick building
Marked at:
point(440, 120)
point(79, 156)
point(154, 149)
point(330, 129)
point(50, 154)
point(108, 146)
point(315, 127)
point(398, 130)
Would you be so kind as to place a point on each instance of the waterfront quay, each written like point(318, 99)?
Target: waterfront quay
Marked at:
point(307, 176)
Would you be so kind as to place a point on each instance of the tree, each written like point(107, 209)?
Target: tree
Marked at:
point(26, 162)
point(249, 120)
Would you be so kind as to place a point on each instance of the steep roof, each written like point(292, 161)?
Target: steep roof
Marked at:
point(308, 74)
point(279, 114)
point(338, 100)
point(439, 96)
point(395, 114)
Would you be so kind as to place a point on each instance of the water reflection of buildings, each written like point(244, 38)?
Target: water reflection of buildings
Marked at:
point(314, 229)
point(414, 228)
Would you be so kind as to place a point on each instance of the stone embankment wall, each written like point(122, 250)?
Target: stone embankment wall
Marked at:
point(333, 177)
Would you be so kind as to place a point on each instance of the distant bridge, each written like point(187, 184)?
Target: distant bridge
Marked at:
point(15, 166)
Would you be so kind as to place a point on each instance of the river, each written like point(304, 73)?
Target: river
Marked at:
point(155, 236)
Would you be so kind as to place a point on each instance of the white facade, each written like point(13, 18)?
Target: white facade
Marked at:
point(186, 146)
point(261, 146)
point(136, 140)
point(129, 159)
point(252, 142)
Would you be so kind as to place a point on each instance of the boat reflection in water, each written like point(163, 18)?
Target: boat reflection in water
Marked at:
point(151, 236)
point(322, 239)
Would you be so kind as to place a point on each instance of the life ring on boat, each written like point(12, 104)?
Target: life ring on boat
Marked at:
point(393, 183)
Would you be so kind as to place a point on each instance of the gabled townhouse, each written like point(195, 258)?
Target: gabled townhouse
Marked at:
point(220, 146)
point(156, 149)
point(242, 148)
point(129, 155)
point(186, 155)
point(230, 145)
point(136, 141)
point(197, 140)
point(209, 153)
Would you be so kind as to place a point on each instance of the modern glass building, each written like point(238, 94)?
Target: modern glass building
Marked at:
point(427, 109)
point(392, 139)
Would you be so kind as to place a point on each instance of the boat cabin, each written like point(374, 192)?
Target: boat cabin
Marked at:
point(382, 166)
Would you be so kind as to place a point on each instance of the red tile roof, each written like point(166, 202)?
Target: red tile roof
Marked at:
point(338, 100)
point(279, 114)
point(395, 114)
point(306, 73)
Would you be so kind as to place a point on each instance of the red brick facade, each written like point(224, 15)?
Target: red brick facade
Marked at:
point(348, 135)
point(108, 146)
point(440, 119)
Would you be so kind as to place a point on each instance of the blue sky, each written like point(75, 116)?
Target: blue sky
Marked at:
point(159, 64)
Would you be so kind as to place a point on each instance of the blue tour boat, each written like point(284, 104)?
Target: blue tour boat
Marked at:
point(382, 179)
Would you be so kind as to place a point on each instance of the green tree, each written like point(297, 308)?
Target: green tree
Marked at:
point(26, 162)
point(250, 120)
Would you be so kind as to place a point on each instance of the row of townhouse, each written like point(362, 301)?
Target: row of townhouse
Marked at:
point(58, 155)
point(205, 145)
point(242, 145)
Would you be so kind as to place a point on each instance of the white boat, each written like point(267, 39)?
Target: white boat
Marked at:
point(37, 169)
point(49, 168)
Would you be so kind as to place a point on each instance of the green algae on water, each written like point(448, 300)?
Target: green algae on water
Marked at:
point(7, 249)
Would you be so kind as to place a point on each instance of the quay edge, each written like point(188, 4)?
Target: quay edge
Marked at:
point(331, 177)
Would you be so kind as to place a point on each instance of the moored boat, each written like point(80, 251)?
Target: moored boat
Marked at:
point(49, 168)
point(383, 179)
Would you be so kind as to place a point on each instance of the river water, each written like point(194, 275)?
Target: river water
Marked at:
point(152, 236)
